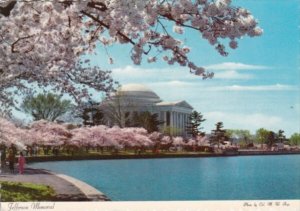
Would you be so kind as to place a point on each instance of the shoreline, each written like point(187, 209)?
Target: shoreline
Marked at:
point(67, 188)
point(152, 156)
point(91, 193)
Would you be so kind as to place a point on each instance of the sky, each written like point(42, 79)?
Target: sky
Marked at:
point(256, 85)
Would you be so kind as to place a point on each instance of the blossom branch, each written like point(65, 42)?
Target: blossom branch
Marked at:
point(17, 41)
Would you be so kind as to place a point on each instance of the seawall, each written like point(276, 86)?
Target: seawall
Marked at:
point(152, 156)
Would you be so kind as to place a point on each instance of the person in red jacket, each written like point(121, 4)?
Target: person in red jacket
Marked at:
point(11, 160)
point(21, 161)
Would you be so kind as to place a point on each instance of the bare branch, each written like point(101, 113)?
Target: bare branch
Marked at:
point(18, 40)
point(6, 10)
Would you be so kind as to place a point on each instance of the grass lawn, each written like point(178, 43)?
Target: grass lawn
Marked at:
point(16, 191)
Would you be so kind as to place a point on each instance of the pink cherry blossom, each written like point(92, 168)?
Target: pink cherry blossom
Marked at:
point(166, 140)
point(191, 142)
point(178, 141)
point(49, 133)
point(10, 134)
point(43, 42)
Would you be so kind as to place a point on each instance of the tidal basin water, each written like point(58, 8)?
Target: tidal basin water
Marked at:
point(218, 178)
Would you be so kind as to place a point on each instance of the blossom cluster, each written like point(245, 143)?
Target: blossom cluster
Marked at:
point(44, 133)
point(44, 41)
point(10, 134)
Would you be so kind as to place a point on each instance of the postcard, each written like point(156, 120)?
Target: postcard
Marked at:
point(181, 105)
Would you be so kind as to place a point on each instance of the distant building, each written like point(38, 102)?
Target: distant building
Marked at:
point(133, 98)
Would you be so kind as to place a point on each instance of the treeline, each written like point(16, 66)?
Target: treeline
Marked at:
point(262, 136)
point(238, 136)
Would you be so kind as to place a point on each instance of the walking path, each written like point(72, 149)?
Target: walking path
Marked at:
point(67, 188)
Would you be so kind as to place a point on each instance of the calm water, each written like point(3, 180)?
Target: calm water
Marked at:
point(224, 178)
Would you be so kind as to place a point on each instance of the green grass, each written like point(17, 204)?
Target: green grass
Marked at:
point(16, 191)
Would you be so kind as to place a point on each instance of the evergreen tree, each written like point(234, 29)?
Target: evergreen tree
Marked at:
point(280, 136)
point(194, 124)
point(91, 114)
point(271, 139)
point(218, 135)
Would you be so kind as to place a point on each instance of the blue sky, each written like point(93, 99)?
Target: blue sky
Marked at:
point(257, 85)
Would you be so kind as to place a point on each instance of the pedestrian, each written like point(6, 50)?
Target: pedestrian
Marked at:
point(21, 162)
point(11, 160)
point(14, 149)
point(3, 158)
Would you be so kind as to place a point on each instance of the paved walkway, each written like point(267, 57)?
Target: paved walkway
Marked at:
point(67, 188)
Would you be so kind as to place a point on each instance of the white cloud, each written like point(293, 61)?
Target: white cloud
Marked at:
point(194, 86)
point(232, 74)
point(172, 84)
point(275, 87)
point(235, 66)
point(246, 119)
point(138, 74)
point(168, 78)
point(250, 121)
point(229, 71)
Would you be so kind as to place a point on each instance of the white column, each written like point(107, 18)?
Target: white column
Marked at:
point(172, 123)
point(182, 123)
point(185, 124)
point(179, 125)
point(172, 117)
point(177, 122)
point(165, 118)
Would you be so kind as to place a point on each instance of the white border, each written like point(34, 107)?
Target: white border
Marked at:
point(247, 205)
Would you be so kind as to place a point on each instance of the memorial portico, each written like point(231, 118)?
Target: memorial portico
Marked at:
point(139, 98)
point(175, 116)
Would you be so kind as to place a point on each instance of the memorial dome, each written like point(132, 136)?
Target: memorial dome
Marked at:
point(138, 92)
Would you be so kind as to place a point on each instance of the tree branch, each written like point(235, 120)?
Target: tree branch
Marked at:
point(18, 40)
point(107, 26)
point(6, 10)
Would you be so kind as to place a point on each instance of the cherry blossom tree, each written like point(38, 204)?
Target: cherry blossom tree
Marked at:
point(80, 137)
point(137, 136)
point(191, 142)
point(203, 140)
point(155, 136)
point(49, 133)
point(166, 140)
point(44, 41)
point(178, 141)
point(98, 136)
point(103, 136)
point(10, 134)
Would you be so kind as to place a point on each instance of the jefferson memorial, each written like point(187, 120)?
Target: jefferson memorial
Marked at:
point(132, 98)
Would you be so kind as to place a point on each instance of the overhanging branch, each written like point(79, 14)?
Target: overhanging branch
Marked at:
point(6, 10)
